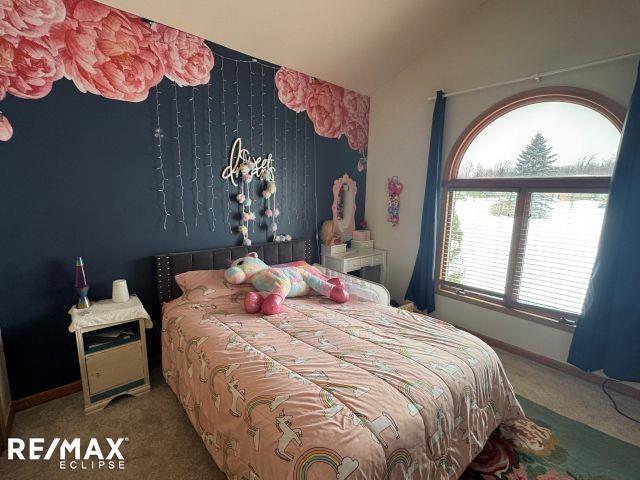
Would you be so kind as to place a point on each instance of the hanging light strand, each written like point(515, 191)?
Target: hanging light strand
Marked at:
point(211, 208)
point(305, 210)
point(315, 193)
point(226, 141)
point(179, 161)
point(159, 134)
point(295, 170)
point(285, 168)
point(251, 129)
point(196, 157)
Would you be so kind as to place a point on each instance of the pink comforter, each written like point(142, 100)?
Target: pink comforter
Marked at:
point(327, 391)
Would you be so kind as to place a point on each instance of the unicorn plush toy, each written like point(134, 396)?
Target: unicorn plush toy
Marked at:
point(275, 284)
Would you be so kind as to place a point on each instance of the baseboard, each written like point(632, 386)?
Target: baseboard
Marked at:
point(612, 385)
point(46, 396)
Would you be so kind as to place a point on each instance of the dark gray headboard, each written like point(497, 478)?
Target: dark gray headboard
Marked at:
point(168, 265)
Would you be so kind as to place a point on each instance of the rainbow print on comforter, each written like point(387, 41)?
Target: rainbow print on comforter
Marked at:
point(324, 391)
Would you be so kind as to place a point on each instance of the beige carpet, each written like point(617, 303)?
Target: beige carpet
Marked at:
point(163, 445)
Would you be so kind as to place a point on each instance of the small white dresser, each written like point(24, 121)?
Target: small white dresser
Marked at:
point(354, 259)
point(112, 350)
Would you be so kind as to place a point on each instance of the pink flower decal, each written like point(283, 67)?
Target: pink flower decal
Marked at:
point(107, 52)
point(293, 88)
point(356, 106)
point(7, 52)
point(6, 130)
point(357, 134)
point(186, 58)
point(29, 18)
point(357, 122)
point(28, 66)
point(326, 109)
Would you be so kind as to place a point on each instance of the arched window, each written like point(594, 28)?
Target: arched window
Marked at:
point(525, 191)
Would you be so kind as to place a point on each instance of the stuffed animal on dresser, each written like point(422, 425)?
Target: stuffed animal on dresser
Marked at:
point(273, 285)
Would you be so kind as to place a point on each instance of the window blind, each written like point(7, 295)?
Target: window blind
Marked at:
point(558, 248)
point(479, 227)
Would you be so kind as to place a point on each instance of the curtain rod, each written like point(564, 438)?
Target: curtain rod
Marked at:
point(539, 76)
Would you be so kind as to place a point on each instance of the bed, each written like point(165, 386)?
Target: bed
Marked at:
point(323, 390)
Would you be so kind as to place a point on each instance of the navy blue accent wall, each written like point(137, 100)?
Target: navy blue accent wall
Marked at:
point(79, 178)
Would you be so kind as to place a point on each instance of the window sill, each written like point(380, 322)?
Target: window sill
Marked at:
point(499, 307)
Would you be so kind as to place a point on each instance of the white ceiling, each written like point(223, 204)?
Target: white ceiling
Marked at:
point(359, 44)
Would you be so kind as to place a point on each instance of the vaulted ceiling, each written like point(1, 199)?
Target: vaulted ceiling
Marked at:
point(359, 44)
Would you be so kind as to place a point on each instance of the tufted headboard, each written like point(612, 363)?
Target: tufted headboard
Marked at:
point(168, 265)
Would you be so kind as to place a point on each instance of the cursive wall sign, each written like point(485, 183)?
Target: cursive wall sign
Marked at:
point(259, 167)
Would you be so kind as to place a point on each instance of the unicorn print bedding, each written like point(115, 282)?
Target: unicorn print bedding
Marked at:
point(330, 391)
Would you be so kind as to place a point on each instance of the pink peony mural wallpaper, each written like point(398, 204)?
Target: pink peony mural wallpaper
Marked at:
point(120, 56)
point(333, 110)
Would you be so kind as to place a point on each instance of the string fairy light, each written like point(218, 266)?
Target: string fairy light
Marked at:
point(285, 169)
point(179, 161)
point(196, 156)
point(295, 169)
point(262, 115)
point(211, 208)
point(251, 129)
point(159, 135)
point(315, 192)
point(226, 140)
point(275, 124)
point(238, 120)
point(305, 171)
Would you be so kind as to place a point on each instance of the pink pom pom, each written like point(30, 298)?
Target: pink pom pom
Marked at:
point(268, 213)
point(240, 198)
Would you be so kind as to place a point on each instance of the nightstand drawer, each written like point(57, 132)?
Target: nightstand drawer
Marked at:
point(367, 262)
point(353, 264)
point(116, 366)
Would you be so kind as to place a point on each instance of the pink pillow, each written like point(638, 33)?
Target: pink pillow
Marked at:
point(200, 278)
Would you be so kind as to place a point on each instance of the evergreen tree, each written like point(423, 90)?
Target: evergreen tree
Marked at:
point(536, 160)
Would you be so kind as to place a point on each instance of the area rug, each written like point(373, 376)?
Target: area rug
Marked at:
point(549, 446)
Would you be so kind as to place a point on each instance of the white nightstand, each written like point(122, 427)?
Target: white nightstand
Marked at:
point(112, 350)
point(355, 259)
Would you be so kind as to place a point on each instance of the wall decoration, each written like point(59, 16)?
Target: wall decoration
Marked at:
point(394, 189)
point(245, 167)
point(333, 110)
point(344, 207)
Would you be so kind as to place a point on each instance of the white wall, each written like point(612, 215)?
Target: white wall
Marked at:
point(504, 40)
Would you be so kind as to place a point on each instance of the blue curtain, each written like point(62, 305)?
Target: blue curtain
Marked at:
point(421, 289)
point(608, 333)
